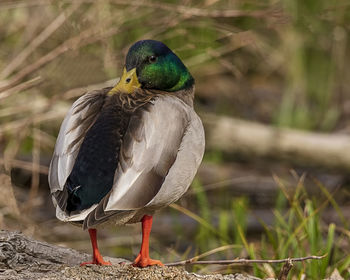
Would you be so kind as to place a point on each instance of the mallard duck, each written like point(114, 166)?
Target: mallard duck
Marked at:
point(124, 152)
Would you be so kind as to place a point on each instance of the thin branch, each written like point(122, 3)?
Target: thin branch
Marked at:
point(12, 149)
point(180, 9)
point(86, 37)
point(198, 12)
point(199, 219)
point(46, 33)
point(79, 91)
point(244, 261)
point(21, 87)
point(223, 183)
point(215, 250)
point(26, 165)
point(23, 4)
point(35, 168)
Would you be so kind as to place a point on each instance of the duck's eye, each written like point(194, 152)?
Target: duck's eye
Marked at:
point(152, 59)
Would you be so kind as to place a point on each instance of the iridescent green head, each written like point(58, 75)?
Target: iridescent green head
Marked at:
point(157, 67)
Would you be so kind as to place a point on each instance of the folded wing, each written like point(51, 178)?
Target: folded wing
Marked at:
point(78, 120)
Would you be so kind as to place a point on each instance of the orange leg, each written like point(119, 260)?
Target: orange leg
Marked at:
point(143, 259)
point(96, 256)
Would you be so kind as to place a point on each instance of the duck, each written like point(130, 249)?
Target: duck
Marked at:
point(126, 151)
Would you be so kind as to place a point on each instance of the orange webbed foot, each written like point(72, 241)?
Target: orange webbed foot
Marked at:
point(96, 256)
point(97, 262)
point(143, 262)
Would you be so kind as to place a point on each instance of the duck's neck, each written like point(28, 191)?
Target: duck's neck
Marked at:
point(140, 97)
point(186, 95)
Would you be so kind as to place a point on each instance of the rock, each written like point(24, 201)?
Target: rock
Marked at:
point(24, 258)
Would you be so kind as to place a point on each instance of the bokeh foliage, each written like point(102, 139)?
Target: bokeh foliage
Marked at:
point(272, 61)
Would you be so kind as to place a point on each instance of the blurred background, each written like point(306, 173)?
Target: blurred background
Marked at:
point(272, 88)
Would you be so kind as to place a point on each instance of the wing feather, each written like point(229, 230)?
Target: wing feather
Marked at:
point(79, 118)
point(152, 143)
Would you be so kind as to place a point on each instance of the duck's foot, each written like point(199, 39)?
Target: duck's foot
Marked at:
point(96, 261)
point(143, 262)
point(143, 259)
point(96, 256)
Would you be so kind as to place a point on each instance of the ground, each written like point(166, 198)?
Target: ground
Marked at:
point(24, 258)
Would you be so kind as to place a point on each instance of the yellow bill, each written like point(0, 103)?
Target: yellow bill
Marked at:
point(127, 83)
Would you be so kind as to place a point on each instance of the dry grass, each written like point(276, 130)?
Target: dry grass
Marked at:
point(282, 64)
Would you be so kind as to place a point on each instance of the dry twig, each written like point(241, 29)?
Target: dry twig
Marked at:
point(84, 38)
point(26, 165)
point(198, 12)
point(21, 87)
point(285, 270)
point(244, 261)
point(46, 33)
